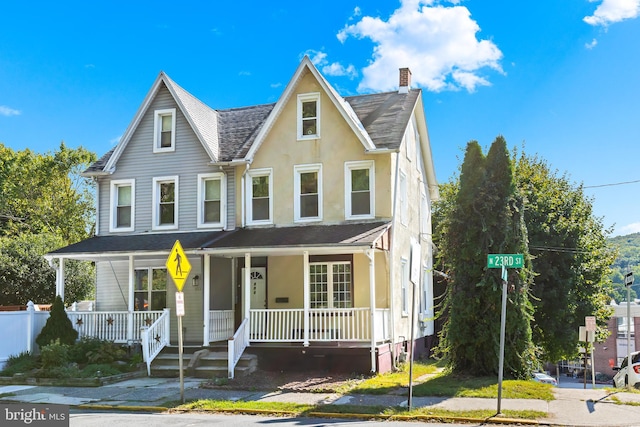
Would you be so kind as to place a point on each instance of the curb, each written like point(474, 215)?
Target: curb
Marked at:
point(123, 407)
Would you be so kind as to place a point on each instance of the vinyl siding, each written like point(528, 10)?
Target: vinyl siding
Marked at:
point(139, 162)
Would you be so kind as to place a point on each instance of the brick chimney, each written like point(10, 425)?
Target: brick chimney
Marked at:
point(405, 80)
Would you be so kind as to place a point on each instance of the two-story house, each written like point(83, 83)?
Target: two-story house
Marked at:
point(306, 224)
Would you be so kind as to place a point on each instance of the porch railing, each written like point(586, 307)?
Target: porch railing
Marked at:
point(330, 324)
point(236, 346)
point(154, 338)
point(112, 325)
point(220, 325)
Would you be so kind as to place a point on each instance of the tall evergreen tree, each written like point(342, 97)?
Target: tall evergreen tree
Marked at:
point(486, 218)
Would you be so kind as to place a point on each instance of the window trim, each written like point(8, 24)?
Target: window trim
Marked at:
point(113, 204)
point(306, 97)
point(157, 129)
point(156, 202)
point(297, 171)
point(254, 173)
point(202, 178)
point(150, 289)
point(348, 188)
point(330, 283)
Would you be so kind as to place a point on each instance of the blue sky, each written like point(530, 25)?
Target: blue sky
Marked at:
point(559, 78)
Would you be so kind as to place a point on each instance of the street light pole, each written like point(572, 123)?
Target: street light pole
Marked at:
point(503, 322)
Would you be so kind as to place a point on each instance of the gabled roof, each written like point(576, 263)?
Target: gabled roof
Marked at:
point(342, 106)
point(203, 121)
point(234, 135)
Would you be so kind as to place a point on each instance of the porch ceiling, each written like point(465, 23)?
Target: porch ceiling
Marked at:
point(332, 238)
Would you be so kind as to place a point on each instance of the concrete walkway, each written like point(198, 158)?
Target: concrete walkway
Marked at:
point(572, 407)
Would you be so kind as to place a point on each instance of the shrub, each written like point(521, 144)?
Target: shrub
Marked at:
point(99, 370)
point(82, 348)
point(67, 371)
point(58, 326)
point(54, 355)
point(106, 353)
point(23, 362)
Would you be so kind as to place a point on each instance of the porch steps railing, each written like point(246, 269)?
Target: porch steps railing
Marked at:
point(155, 338)
point(236, 347)
point(202, 363)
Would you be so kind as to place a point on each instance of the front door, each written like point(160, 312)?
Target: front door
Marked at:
point(257, 288)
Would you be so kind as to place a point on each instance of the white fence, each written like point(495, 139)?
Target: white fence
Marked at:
point(19, 331)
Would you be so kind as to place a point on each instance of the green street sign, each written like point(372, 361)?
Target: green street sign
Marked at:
point(505, 260)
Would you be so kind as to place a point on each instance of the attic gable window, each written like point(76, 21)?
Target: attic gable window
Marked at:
point(309, 116)
point(164, 136)
point(121, 217)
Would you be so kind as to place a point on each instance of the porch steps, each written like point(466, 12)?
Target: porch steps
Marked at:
point(201, 363)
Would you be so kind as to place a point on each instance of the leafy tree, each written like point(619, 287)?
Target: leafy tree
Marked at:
point(58, 327)
point(25, 275)
point(570, 257)
point(44, 204)
point(44, 193)
point(628, 249)
point(486, 217)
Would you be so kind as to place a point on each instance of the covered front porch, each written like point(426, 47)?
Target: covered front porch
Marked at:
point(241, 295)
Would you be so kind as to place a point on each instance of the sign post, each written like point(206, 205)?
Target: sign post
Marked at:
point(179, 267)
point(503, 261)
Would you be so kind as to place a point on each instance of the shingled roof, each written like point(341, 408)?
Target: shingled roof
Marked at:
point(229, 134)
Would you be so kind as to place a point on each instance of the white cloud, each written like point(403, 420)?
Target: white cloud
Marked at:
point(592, 44)
point(611, 11)
point(319, 59)
point(7, 111)
point(437, 43)
point(628, 229)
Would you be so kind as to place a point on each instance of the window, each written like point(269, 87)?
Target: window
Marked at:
point(122, 205)
point(308, 192)
point(404, 202)
point(150, 289)
point(165, 203)
point(260, 194)
point(211, 200)
point(359, 192)
point(330, 285)
point(164, 135)
point(404, 279)
point(309, 116)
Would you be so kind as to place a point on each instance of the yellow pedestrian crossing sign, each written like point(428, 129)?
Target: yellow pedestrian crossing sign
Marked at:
point(178, 265)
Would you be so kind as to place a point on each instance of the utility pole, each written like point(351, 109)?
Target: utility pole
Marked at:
point(628, 281)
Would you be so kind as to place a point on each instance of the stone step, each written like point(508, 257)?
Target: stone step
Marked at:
point(201, 364)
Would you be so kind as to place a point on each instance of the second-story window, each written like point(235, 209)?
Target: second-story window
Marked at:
point(211, 200)
point(309, 116)
point(164, 136)
point(359, 190)
point(259, 196)
point(165, 202)
point(308, 192)
point(122, 205)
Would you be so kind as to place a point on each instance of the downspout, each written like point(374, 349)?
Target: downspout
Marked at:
point(392, 263)
point(131, 302)
point(372, 304)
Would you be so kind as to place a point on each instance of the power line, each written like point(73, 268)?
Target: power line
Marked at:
point(611, 185)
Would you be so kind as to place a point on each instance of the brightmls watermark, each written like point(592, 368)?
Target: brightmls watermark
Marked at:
point(31, 414)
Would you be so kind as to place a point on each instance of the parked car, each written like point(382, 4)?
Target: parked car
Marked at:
point(628, 375)
point(544, 378)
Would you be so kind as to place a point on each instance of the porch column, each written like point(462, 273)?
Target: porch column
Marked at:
point(131, 302)
point(207, 292)
point(247, 292)
point(306, 295)
point(60, 278)
point(372, 304)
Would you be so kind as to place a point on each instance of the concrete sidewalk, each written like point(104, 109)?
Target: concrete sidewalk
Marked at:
point(572, 407)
